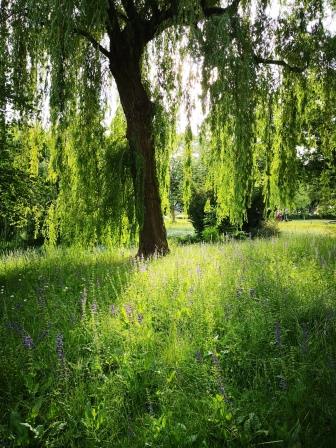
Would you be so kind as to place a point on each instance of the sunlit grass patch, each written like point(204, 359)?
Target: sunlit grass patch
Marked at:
point(311, 226)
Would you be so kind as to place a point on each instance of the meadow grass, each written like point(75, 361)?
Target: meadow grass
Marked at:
point(182, 227)
point(228, 345)
point(311, 226)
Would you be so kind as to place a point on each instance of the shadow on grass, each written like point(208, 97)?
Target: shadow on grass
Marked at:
point(43, 293)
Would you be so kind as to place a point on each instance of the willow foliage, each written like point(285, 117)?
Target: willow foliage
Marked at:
point(266, 84)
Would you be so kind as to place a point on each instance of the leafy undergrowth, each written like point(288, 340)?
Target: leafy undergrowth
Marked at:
point(213, 346)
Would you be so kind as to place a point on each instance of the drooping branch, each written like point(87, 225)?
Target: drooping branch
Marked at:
point(93, 41)
point(279, 62)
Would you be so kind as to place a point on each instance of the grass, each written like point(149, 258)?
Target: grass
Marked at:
point(213, 346)
point(182, 227)
point(309, 226)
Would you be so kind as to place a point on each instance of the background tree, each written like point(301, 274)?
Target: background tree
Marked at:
point(176, 186)
point(69, 44)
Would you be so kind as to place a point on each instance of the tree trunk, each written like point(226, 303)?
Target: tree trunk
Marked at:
point(139, 112)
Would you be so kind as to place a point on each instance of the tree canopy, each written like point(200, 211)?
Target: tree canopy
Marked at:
point(267, 72)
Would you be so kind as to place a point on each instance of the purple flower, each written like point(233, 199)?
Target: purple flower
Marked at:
point(252, 292)
point(140, 318)
point(282, 383)
point(83, 300)
point(239, 292)
point(220, 383)
point(198, 356)
point(60, 347)
point(215, 360)
point(94, 308)
point(277, 333)
point(149, 403)
point(84, 296)
point(28, 342)
point(113, 309)
point(129, 310)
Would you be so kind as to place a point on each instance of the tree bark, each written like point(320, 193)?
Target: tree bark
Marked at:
point(139, 112)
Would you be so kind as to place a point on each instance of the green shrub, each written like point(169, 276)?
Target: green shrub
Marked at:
point(210, 234)
point(196, 210)
point(268, 229)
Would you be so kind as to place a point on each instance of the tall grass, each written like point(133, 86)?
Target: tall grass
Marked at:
point(214, 345)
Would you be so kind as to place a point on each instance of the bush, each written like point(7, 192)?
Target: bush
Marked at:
point(210, 234)
point(196, 210)
point(268, 229)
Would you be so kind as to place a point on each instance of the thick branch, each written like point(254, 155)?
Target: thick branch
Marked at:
point(93, 41)
point(152, 4)
point(129, 8)
point(112, 24)
point(218, 11)
point(162, 19)
point(292, 68)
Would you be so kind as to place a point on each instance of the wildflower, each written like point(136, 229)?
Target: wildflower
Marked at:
point(84, 297)
point(252, 293)
point(215, 360)
point(198, 270)
point(149, 403)
point(220, 383)
point(83, 300)
point(60, 347)
point(277, 333)
point(113, 309)
point(282, 383)
point(140, 318)
point(198, 356)
point(129, 310)
point(94, 307)
point(239, 292)
point(28, 342)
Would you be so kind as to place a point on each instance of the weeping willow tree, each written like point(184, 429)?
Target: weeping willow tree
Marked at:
point(256, 71)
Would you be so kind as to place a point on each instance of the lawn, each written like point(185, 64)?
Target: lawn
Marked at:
point(309, 226)
point(182, 227)
point(220, 345)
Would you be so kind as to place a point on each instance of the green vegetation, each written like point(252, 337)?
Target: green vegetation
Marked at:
point(309, 226)
point(226, 342)
point(266, 81)
point(213, 345)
